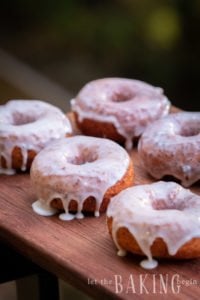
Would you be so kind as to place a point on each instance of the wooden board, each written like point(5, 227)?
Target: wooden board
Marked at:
point(81, 251)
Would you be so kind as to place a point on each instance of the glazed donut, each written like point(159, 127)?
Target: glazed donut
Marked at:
point(79, 174)
point(171, 146)
point(159, 219)
point(117, 108)
point(26, 127)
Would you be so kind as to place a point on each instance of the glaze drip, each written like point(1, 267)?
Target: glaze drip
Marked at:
point(130, 105)
point(29, 125)
point(159, 210)
point(171, 146)
point(100, 163)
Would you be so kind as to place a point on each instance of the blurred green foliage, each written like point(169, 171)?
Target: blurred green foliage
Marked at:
point(153, 40)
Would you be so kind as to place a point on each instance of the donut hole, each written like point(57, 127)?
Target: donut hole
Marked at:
point(162, 204)
point(190, 131)
point(86, 155)
point(21, 119)
point(122, 96)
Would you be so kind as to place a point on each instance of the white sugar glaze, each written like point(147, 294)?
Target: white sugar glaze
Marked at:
point(76, 168)
point(130, 105)
point(29, 125)
point(160, 210)
point(171, 146)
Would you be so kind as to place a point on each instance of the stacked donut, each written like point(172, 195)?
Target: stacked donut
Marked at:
point(92, 172)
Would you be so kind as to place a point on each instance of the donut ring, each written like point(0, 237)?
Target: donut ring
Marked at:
point(156, 220)
point(79, 174)
point(171, 146)
point(26, 127)
point(119, 109)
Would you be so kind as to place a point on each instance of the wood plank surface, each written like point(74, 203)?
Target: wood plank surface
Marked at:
point(81, 251)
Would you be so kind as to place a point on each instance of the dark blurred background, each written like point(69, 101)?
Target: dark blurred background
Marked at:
point(74, 41)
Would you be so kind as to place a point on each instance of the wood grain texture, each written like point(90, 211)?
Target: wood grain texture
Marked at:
point(82, 253)
point(81, 250)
